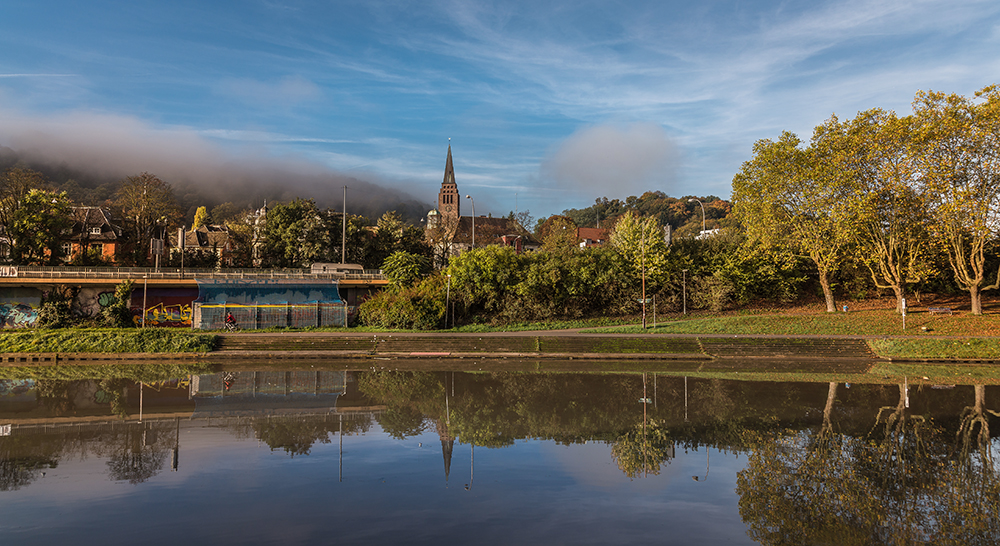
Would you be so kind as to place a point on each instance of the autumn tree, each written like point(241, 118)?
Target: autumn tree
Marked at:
point(958, 148)
point(201, 218)
point(145, 202)
point(886, 209)
point(790, 198)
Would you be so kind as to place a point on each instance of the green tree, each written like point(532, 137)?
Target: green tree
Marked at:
point(958, 147)
point(37, 227)
point(393, 235)
point(559, 236)
point(403, 268)
point(298, 234)
point(641, 243)
point(15, 183)
point(790, 199)
point(483, 277)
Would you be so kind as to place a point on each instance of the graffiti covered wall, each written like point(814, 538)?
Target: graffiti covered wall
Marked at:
point(164, 306)
point(168, 307)
point(19, 307)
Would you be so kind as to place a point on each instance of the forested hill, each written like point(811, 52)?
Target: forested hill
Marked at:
point(683, 214)
point(240, 185)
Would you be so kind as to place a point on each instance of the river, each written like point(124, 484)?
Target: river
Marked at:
point(322, 455)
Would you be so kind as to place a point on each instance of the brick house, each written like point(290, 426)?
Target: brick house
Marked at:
point(93, 231)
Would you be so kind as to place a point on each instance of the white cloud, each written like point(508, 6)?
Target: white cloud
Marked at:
point(286, 91)
point(615, 160)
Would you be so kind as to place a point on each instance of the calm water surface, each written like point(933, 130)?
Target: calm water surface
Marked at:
point(306, 457)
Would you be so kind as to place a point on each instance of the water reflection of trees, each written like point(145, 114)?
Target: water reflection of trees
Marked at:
point(297, 434)
point(135, 453)
point(902, 482)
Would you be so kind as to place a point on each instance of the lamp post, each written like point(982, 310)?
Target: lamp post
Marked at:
point(643, 250)
point(702, 212)
point(447, 301)
point(469, 197)
point(343, 234)
point(684, 273)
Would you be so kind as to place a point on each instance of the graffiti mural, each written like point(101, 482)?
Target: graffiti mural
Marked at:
point(165, 307)
point(166, 315)
point(90, 301)
point(17, 315)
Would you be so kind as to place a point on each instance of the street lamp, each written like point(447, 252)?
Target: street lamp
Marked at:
point(684, 272)
point(469, 197)
point(702, 212)
point(343, 234)
point(447, 301)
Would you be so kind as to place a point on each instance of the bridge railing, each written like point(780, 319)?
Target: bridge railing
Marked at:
point(138, 273)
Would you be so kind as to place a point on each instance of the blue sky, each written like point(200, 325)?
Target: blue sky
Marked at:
point(557, 102)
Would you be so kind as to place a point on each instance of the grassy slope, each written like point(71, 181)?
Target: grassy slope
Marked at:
point(150, 340)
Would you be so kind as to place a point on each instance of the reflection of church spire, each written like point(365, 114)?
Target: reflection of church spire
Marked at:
point(447, 446)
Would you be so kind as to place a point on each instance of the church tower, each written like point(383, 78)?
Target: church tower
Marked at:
point(448, 198)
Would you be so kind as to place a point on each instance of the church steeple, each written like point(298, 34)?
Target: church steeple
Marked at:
point(448, 198)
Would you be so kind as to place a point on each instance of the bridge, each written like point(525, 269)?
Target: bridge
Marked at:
point(173, 277)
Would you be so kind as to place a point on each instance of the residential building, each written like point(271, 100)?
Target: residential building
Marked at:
point(93, 232)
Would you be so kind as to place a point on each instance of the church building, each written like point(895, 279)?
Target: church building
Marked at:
point(450, 233)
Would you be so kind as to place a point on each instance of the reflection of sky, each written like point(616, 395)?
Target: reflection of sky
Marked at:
point(230, 491)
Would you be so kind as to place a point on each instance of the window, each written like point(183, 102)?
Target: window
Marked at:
point(67, 249)
point(95, 230)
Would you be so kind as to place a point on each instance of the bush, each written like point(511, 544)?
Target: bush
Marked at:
point(118, 314)
point(55, 310)
point(419, 307)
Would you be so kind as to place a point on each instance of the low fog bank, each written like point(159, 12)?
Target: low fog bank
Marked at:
point(88, 155)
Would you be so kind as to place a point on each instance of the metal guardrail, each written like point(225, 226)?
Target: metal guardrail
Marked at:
point(139, 273)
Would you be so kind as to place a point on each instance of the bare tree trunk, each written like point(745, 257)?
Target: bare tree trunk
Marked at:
point(977, 300)
point(898, 291)
point(824, 281)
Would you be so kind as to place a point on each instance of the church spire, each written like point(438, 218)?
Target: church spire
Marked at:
point(448, 198)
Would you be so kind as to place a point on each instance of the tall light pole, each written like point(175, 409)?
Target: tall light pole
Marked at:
point(643, 251)
point(702, 212)
point(469, 197)
point(447, 301)
point(685, 274)
point(343, 234)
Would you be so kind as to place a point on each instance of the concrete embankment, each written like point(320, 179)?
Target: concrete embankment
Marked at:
point(705, 352)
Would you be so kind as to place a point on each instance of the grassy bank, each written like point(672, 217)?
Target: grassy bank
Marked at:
point(106, 340)
point(881, 322)
point(133, 372)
